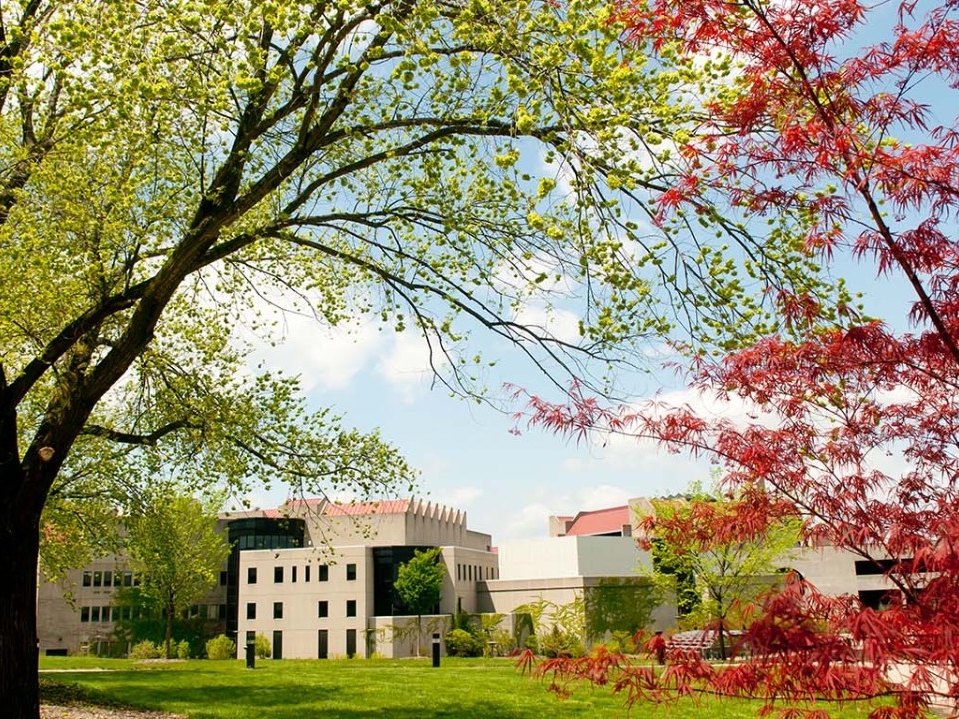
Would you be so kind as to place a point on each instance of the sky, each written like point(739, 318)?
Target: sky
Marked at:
point(468, 458)
point(466, 454)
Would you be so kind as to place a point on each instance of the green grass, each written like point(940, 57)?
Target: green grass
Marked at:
point(400, 689)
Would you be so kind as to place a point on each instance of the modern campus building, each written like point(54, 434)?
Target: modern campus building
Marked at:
point(316, 577)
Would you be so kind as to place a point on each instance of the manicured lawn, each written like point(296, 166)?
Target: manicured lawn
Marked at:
point(400, 689)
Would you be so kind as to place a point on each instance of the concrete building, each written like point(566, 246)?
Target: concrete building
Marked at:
point(317, 577)
point(331, 593)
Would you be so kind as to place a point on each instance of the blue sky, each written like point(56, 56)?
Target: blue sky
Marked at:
point(466, 455)
point(465, 452)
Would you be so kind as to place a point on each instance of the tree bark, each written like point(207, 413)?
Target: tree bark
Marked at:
point(167, 639)
point(19, 686)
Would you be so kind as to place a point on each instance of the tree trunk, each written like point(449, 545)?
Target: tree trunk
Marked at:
point(722, 640)
point(169, 629)
point(419, 631)
point(19, 688)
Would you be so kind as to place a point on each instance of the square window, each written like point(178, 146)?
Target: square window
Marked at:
point(251, 610)
point(351, 607)
point(322, 608)
point(251, 575)
point(350, 572)
point(322, 573)
point(277, 575)
point(278, 610)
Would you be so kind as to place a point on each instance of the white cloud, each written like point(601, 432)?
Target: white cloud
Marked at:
point(323, 356)
point(405, 363)
point(528, 522)
point(560, 324)
point(461, 497)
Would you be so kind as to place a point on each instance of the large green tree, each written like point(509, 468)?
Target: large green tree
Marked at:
point(166, 166)
point(175, 548)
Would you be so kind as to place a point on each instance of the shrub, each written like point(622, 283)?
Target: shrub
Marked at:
point(183, 649)
point(560, 644)
point(261, 645)
point(504, 643)
point(144, 650)
point(460, 643)
point(221, 647)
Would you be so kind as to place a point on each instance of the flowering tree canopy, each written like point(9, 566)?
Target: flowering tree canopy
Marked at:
point(855, 425)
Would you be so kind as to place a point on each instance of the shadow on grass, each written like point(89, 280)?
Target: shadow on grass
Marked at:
point(351, 692)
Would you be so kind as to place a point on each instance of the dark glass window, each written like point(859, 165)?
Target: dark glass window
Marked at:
point(306, 573)
point(350, 572)
point(277, 575)
point(84, 614)
point(87, 579)
point(251, 610)
point(322, 608)
point(323, 573)
point(278, 610)
point(251, 575)
point(351, 607)
point(293, 574)
point(97, 579)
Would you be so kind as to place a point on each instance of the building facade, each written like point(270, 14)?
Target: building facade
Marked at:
point(316, 578)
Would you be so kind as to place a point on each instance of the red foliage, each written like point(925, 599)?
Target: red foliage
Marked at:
point(859, 427)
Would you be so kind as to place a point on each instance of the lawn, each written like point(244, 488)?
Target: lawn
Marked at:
point(400, 689)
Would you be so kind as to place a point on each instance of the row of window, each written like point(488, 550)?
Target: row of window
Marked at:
point(322, 610)
point(322, 574)
point(110, 579)
point(122, 614)
point(322, 642)
point(474, 572)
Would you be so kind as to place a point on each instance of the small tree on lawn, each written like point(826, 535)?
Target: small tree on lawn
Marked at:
point(175, 549)
point(419, 584)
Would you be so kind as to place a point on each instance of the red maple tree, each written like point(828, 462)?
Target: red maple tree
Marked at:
point(859, 426)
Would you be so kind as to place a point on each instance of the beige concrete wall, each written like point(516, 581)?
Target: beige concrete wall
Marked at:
point(395, 637)
point(301, 621)
point(71, 616)
point(466, 570)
